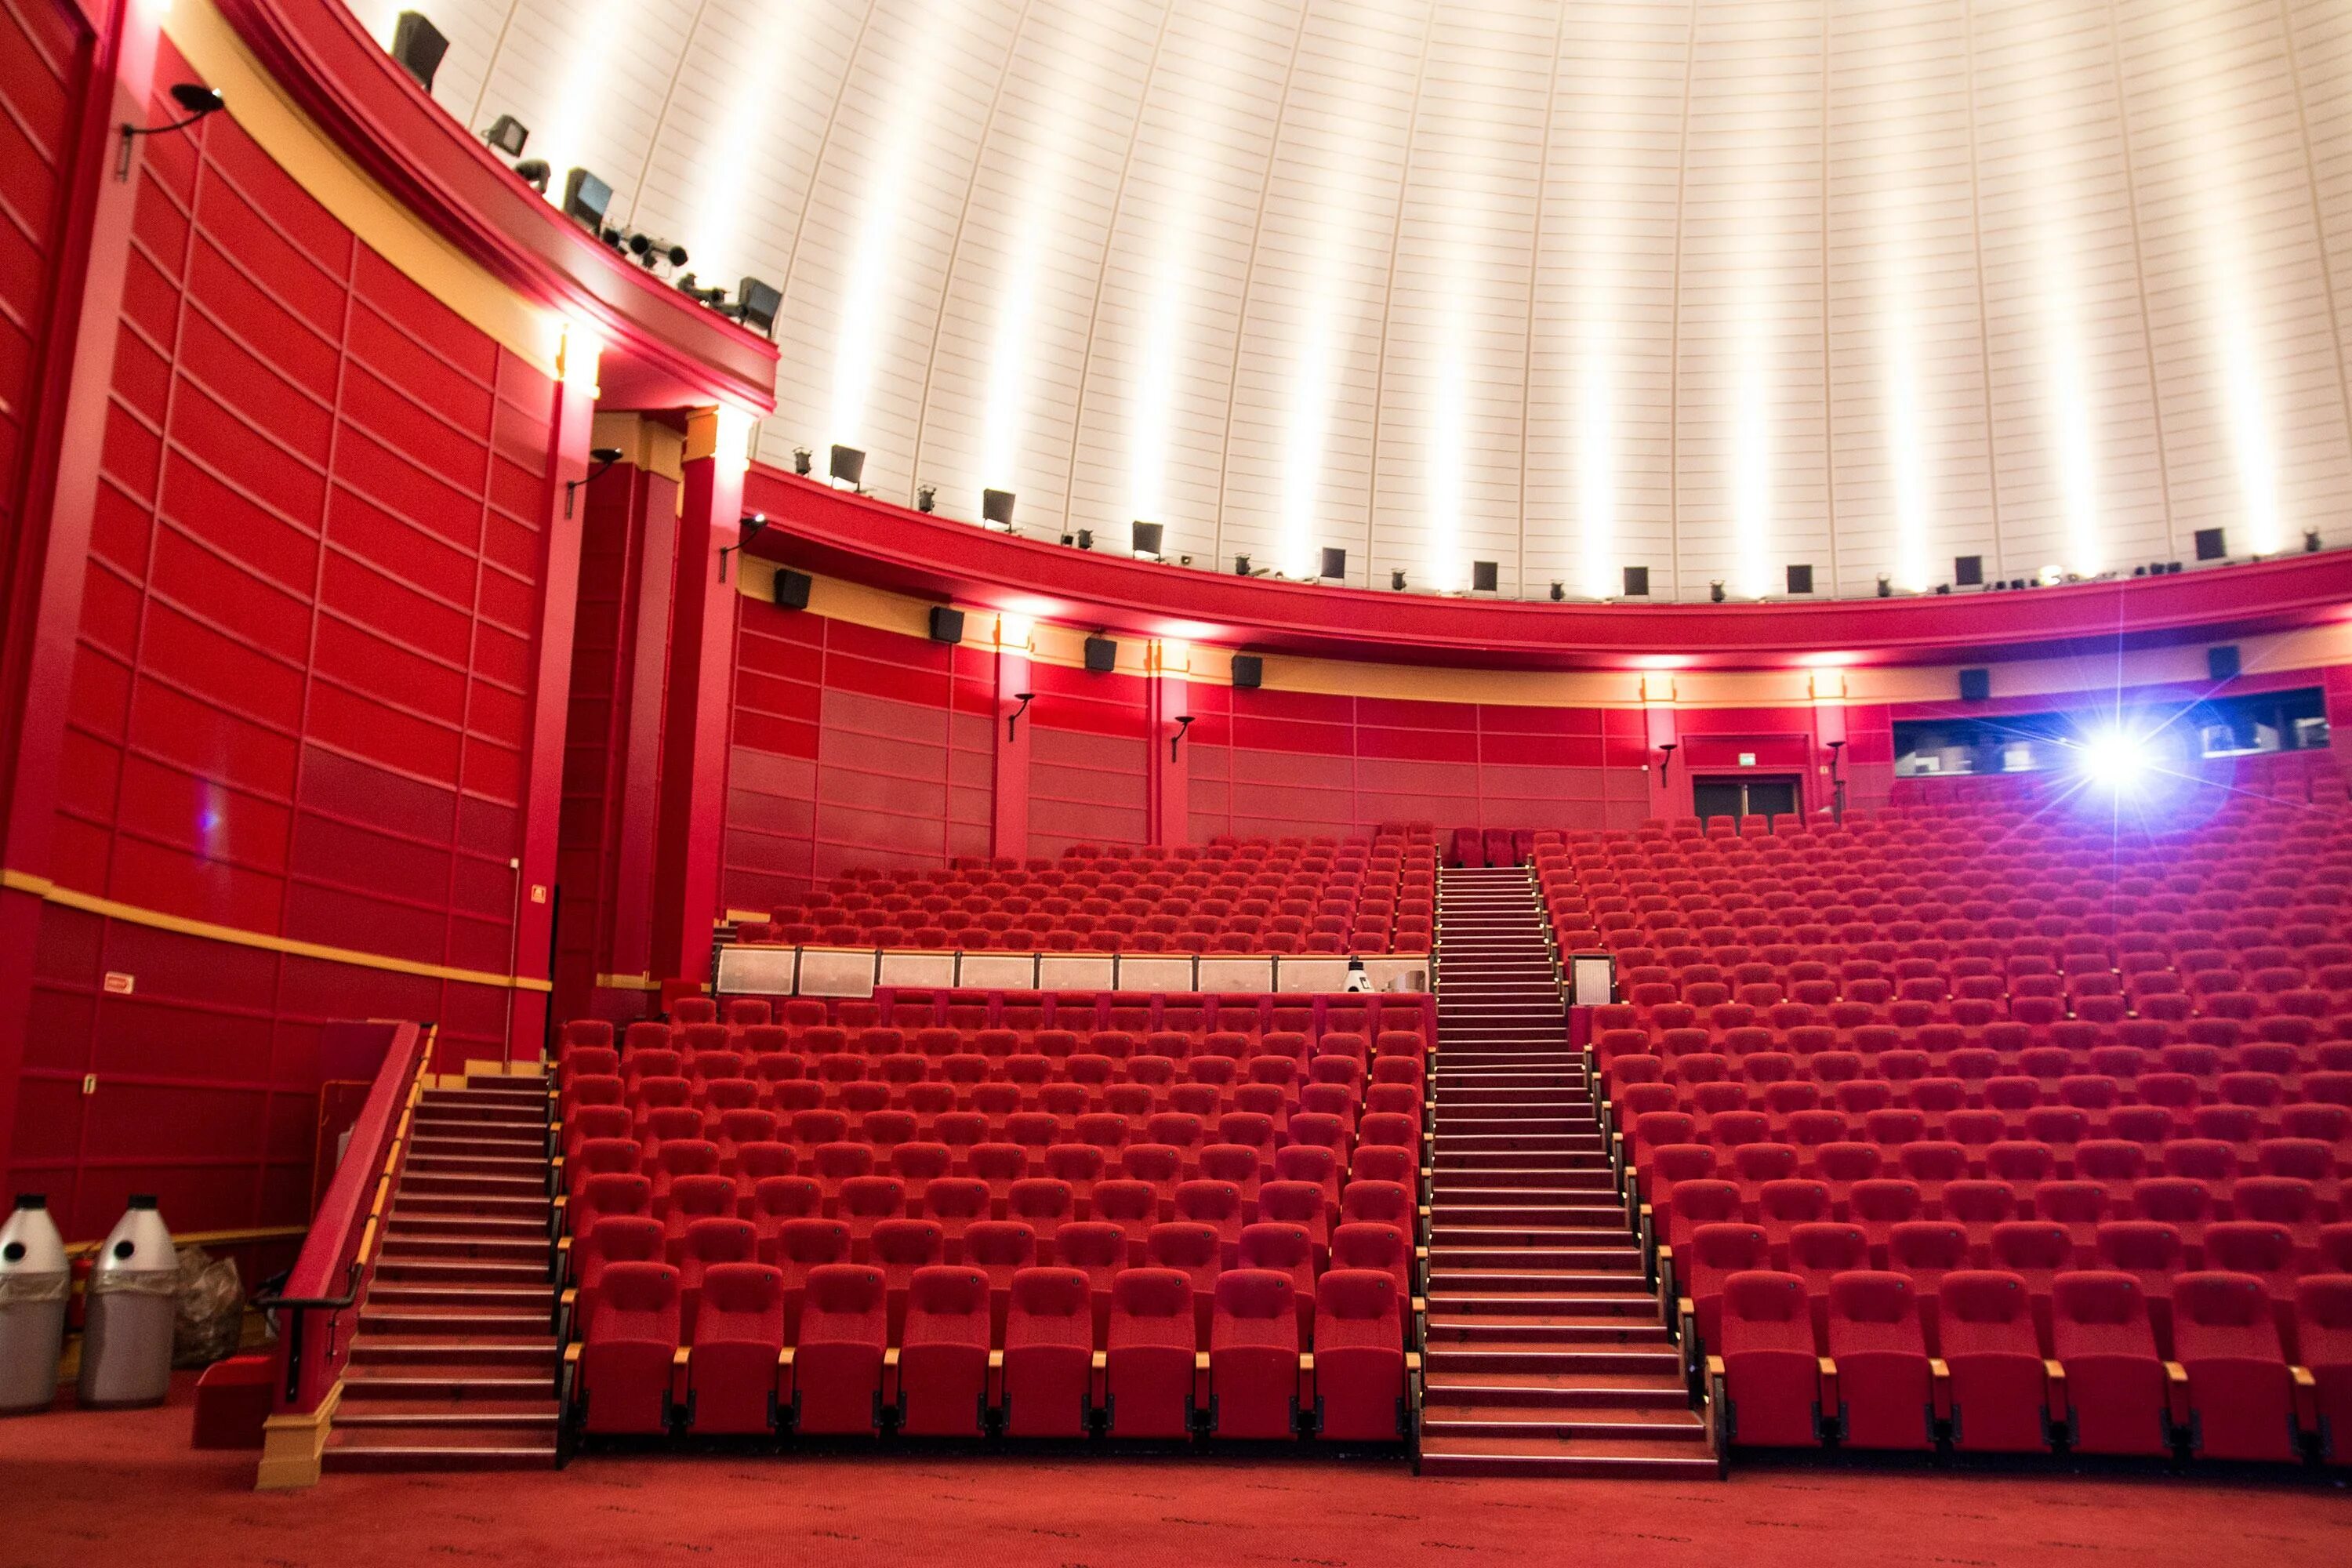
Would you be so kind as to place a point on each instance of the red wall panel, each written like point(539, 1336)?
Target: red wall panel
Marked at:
point(301, 701)
point(850, 747)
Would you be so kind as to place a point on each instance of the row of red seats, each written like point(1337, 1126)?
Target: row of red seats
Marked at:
point(846, 1372)
point(694, 1025)
point(1864, 1377)
point(2035, 1251)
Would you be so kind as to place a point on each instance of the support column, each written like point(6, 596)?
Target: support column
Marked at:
point(47, 559)
point(559, 604)
point(637, 735)
point(691, 829)
point(1168, 761)
point(1009, 822)
point(1825, 783)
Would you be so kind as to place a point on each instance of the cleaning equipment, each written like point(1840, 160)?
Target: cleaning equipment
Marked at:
point(35, 1282)
point(126, 1349)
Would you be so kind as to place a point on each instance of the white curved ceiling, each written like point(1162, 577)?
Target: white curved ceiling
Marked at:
point(1705, 286)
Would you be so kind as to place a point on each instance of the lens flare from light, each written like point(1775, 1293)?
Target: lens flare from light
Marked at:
point(2114, 760)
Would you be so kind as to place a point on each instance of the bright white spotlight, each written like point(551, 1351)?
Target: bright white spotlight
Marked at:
point(2114, 760)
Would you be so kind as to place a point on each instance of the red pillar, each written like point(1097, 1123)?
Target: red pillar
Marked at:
point(1168, 764)
point(559, 604)
point(637, 735)
point(47, 558)
point(1669, 787)
point(1009, 825)
point(691, 832)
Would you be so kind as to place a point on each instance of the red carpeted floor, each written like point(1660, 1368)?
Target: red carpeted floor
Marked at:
point(88, 1488)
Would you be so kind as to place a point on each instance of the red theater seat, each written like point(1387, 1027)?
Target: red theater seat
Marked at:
point(1768, 1372)
point(1999, 1383)
point(943, 1357)
point(624, 1377)
point(2116, 1382)
point(1049, 1342)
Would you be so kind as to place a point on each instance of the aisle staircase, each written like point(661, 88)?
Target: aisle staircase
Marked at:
point(1546, 1354)
point(453, 1364)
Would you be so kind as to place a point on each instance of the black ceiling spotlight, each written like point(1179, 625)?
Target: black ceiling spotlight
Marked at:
point(534, 172)
point(418, 46)
point(847, 466)
point(1885, 586)
point(1086, 539)
point(996, 509)
point(651, 252)
point(1184, 723)
point(1396, 580)
point(926, 497)
point(1241, 566)
point(757, 304)
point(1146, 538)
point(603, 458)
point(687, 284)
point(585, 197)
point(747, 529)
point(1715, 590)
point(1559, 591)
point(507, 135)
point(801, 458)
point(2310, 540)
point(194, 99)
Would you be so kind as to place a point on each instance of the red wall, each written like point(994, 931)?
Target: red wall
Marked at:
point(850, 747)
point(301, 697)
point(1087, 759)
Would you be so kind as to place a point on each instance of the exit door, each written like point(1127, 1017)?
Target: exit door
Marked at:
point(1770, 796)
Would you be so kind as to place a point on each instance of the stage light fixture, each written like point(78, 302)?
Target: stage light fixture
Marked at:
point(418, 46)
point(651, 252)
point(534, 172)
point(996, 509)
point(1886, 587)
point(1086, 539)
point(847, 466)
point(757, 304)
point(1558, 590)
point(585, 197)
point(1715, 591)
point(802, 458)
point(1396, 581)
point(926, 497)
point(1241, 566)
point(507, 135)
point(2310, 540)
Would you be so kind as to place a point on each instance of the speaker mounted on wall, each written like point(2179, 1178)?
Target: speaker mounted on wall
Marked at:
point(2221, 662)
point(792, 590)
point(1484, 576)
point(418, 46)
point(1102, 656)
point(1248, 670)
point(1637, 582)
point(1967, 571)
point(947, 625)
point(1976, 686)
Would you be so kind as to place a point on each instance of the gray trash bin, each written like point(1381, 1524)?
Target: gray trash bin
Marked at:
point(35, 1281)
point(126, 1347)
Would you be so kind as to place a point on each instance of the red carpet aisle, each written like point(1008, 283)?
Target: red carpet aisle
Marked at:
point(82, 1489)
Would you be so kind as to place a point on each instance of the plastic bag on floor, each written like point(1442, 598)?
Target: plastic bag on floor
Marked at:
point(211, 1301)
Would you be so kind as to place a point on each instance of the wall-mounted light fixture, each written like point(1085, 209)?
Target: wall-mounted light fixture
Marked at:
point(1184, 723)
point(1013, 718)
point(197, 99)
point(603, 458)
point(746, 530)
point(1665, 760)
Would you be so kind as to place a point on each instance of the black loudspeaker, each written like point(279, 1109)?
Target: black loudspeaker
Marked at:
point(2221, 663)
point(1484, 576)
point(1967, 571)
point(1801, 579)
point(1976, 685)
point(1637, 582)
point(1334, 562)
point(2212, 544)
point(1102, 656)
point(1149, 536)
point(793, 589)
point(1248, 670)
point(947, 625)
point(418, 46)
